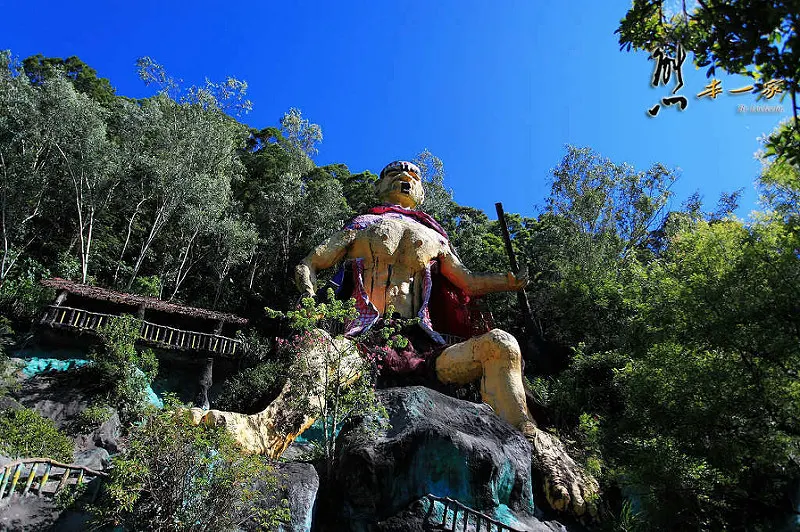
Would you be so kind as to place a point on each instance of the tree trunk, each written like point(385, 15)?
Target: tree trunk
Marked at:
point(180, 276)
point(87, 250)
point(127, 238)
point(154, 230)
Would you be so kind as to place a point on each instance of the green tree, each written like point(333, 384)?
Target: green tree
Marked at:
point(192, 160)
point(302, 137)
point(780, 189)
point(178, 476)
point(697, 403)
point(26, 150)
point(331, 381)
point(84, 78)
point(85, 155)
point(293, 205)
point(715, 394)
point(595, 228)
point(123, 372)
point(235, 242)
point(438, 198)
point(54, 138)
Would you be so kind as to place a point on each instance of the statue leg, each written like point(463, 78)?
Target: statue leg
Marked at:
point(268, 432)
point(272, 430)
point(496, 359)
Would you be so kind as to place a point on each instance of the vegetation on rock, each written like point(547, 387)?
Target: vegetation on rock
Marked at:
point(24, 434)
point(178, 476)
point(122, 371)
point(336, 385)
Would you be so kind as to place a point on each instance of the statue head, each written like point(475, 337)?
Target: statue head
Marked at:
point(400, 183)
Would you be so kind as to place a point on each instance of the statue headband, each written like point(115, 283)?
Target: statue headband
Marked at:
point(401, 166)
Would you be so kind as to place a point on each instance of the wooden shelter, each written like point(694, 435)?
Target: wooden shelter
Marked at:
point(85, 309)
point(165, 325)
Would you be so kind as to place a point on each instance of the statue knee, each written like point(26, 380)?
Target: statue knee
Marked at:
point(503, 345)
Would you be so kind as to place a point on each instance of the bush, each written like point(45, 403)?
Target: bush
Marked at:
point(21, 295)
point(91, 417)
point(147, 286)
point(249, 390)
point(26, 434)
point(349, 392)
point(123, 371)
point(179, 476)
point(7, 379)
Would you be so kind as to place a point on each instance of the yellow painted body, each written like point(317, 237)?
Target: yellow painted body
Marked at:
point(395, 254)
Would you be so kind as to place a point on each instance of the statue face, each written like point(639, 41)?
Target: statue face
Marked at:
point(400, 187)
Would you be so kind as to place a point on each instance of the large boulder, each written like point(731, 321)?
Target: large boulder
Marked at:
point(57, 394)
point(435, 445)
point(298, 484)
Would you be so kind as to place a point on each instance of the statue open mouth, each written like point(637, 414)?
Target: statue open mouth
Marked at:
point(405, 187)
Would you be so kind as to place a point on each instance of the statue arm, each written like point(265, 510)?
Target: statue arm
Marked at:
point(323, 256)
point(478, 284)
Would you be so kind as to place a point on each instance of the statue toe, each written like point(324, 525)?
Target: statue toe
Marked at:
point(567, 486)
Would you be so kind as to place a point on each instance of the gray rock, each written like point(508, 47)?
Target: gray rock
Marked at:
point(31, 513)
point(40, 513)
point(298, 484)
point(298, 451)
point(97, 459)
point(52, 396)
point(436, 445)
point(107, 434)
point(7, 403)
point(59, 397)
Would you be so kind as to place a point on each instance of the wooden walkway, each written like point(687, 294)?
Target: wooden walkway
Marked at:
point(162, 336)
point(451, 518)
point(45, 477)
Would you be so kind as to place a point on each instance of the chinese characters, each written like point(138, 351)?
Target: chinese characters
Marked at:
point(671, 66)
point(666, 66)
point(769, 90)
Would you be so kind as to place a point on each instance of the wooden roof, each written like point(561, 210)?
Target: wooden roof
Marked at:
point(153, 303)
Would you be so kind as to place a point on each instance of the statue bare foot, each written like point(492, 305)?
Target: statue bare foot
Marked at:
point(567, 487)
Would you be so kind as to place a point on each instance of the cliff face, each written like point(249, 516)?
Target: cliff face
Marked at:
point(434, 445)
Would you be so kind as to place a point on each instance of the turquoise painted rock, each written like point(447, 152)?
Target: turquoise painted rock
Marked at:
point(436, 445)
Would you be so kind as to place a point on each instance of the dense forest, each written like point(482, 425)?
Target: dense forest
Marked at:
point(668, 337)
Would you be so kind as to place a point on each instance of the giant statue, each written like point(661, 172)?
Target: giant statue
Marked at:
point(394, 254)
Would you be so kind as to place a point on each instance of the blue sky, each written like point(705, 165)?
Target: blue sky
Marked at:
point(495, 89)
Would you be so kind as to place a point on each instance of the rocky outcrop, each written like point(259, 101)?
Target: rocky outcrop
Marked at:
point(436, 445)
point(55, 394)
point(298, 484)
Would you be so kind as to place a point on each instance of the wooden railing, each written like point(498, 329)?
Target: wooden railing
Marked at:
point(52, 478)
point(151, 333)
point(450, 517)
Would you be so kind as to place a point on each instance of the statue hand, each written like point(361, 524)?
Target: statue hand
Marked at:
point(519, 280)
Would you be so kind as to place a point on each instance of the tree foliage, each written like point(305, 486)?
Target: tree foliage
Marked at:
point(122, 371)
point(335, 384)
point(178, 476)
point(25, 433)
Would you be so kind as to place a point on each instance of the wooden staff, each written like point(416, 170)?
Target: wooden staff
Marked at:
point(522, 296)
